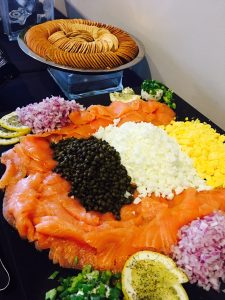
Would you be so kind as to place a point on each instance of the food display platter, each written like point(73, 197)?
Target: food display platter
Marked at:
point(29, 268)
point(25, 49)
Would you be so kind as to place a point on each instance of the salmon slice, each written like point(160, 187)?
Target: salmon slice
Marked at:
point(17, 162)
point(163, 115)
point(101, 122)
point(82, 117)
point(30, 156)
point(144, 211)
point(58, 227)
point(82, 131)
point(113, 255)
point(150, 107)
point(75, 209)
point(53, 184)
point(129, 212)
point(150, 208)
point(101, 110)
point(113, 258)
point(12, 172)
point(102, 237)
point(159, 234)
point(132, 116)
point(38, 149)
point(71, 254)
point(119, 109)
point(60, 131)
point(19, 204)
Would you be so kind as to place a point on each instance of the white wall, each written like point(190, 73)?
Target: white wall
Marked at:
point(61, 6)
point(184, 43)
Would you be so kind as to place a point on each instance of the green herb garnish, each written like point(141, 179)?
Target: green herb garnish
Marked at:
point(159, 92)
point(53, 275)
point(89, 284)
point(76, 260)
point(51, 295)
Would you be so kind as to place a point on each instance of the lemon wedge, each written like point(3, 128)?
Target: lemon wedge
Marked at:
point(152, 276)
point(11, 122)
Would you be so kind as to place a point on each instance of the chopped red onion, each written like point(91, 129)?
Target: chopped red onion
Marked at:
point(49, 114)
point(200, 251)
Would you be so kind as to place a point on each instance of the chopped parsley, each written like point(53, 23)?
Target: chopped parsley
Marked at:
point(158, 91)
point(89, 284)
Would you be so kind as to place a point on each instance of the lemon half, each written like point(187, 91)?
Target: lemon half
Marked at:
point(149, 275)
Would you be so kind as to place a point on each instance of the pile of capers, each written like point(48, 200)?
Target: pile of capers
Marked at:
point(94, 169)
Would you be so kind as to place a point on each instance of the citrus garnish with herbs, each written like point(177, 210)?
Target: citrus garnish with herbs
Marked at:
point(11, 129)
point(8, 134)
point(11, 141)
point(11, 122)
point(153, 276)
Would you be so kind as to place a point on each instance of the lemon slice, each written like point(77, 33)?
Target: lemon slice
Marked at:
point(153, 276)
point(11, 122)
point(7, 134)
point(11, 141)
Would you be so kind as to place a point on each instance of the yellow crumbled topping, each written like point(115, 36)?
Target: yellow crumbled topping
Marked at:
point(205, 146)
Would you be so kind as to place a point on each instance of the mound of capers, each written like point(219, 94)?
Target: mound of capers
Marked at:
point(94, 169)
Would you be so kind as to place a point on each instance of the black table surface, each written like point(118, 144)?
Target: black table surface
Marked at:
point(29, 268)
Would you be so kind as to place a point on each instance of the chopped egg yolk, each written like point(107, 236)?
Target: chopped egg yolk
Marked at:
point(205, 146)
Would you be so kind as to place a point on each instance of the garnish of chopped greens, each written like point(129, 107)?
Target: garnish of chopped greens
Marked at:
point(153, 89)
point(89, 284)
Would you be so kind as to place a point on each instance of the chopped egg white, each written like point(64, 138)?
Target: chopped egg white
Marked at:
point(153, 160)
point(146, 96)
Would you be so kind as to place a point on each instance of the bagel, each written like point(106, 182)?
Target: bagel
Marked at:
point(81, 44)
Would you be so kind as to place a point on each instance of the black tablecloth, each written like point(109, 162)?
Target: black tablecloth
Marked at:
point(28, 267)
